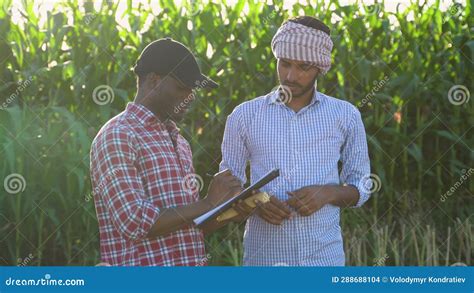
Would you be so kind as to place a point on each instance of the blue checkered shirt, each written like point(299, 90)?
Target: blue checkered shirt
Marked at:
point(306, 146)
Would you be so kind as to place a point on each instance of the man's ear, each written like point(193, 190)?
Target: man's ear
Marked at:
point(152, 79)
point(152, 76)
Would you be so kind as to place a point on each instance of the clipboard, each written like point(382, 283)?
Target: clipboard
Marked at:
point(247, 192)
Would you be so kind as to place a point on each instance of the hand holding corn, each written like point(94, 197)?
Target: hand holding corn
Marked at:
point(261, 197)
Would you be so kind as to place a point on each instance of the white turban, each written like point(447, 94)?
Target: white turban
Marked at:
point(298, 42)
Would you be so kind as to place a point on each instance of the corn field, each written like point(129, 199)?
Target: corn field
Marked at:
point(409, 71)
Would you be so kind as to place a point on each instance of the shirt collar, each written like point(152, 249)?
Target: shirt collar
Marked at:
point(273, 98)
point(146, 117)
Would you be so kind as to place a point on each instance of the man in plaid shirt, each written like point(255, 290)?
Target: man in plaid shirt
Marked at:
point(142, 174)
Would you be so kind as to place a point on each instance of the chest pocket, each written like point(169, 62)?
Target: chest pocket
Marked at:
point(324, 145)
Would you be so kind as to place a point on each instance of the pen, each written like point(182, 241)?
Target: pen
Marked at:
point(212, 176)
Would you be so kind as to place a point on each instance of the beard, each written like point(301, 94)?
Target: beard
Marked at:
point(298, 90)
point(168, 106)
point(177, 116)
point(177, 111)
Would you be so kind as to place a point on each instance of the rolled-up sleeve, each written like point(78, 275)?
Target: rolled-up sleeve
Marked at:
point(121, 188)
point(355, 158)
point(234, 150)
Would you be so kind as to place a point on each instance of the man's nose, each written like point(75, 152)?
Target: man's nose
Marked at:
point(291, 76)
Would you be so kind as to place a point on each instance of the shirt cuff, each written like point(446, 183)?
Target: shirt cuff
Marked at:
point(150, 215)
point(364, 193)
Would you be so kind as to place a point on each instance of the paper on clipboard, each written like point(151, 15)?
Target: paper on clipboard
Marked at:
point(199, 220)
point(241, 196)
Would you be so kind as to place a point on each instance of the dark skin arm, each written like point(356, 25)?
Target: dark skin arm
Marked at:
point(306, 201)
point(274, 211)
point(241, 207)
point(173, 219)
point(223, 187)
point(310, 199)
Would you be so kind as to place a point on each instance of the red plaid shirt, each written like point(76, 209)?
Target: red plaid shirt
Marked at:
point(135, 172)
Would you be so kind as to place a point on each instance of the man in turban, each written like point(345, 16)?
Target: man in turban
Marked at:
point(306, 134)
